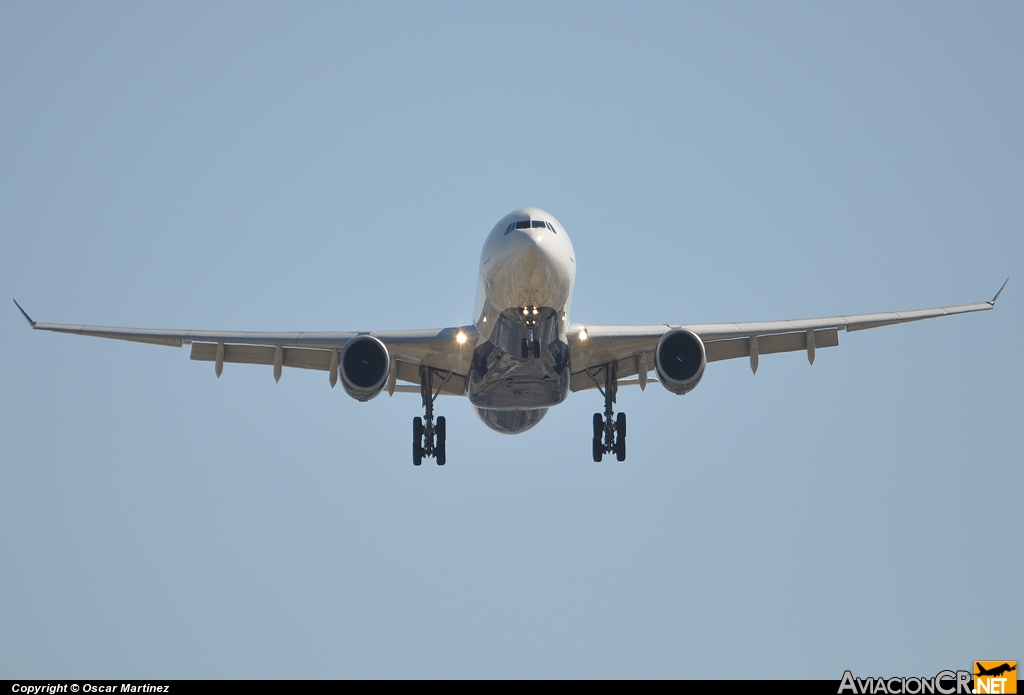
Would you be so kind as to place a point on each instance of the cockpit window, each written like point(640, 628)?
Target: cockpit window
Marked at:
point(529, 224)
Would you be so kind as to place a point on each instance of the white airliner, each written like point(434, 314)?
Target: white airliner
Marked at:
point(520, 355)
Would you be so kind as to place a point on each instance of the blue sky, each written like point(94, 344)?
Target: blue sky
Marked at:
point(335, 167)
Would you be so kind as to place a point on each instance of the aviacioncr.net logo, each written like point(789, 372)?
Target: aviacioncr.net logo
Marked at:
point(944, 683)
point(995, 677)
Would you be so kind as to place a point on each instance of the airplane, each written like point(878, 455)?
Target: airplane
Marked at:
point(995, 671)
point(521, 355)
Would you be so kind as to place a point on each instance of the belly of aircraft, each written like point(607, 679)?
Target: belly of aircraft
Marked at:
point(523, 365)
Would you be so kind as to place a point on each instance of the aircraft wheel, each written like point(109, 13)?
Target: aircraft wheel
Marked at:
point(620, 449)
point(417, 441)
point(598, 427)
point(598, 450)
point(620, 425)
point(439, 431)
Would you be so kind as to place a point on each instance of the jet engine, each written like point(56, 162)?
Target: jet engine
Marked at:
point(680, 360)
point(364, 367)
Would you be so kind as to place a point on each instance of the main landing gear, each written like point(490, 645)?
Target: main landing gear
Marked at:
point(609, 429)
point(427, 436)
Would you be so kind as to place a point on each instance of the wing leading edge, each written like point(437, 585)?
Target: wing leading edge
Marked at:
point(633, 347)
point(436, 348)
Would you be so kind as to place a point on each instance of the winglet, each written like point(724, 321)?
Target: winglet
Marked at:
point(30, 321)
point(993, 302)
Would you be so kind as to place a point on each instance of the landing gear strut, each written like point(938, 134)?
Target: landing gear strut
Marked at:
point(427, 436)
point(609, 429)
point(530, 346)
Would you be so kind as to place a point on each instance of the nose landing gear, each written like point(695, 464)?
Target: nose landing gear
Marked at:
point(609, 429)
point(530, 346)
point(428, 437)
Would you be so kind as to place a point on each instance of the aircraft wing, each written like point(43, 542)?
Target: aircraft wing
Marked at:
point(437, 348)
point(633, 347)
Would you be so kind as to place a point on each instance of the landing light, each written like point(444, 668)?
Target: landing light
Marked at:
point(583, 334)
point(460, 337)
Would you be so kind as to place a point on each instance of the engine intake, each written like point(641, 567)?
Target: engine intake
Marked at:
point(680, 360)
point(364, 366)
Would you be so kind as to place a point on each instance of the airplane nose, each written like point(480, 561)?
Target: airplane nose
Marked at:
point(537, 238)
point(536, 234)
point(532, 242)
point(528, 267)
point(537, 250)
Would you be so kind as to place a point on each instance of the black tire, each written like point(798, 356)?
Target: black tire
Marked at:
point(417, 441)
point(439, 432)
point(620, 437)
point(598, 437)
point(536, 349)
point(525, 349)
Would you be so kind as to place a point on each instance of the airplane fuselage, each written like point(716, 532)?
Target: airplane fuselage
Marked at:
point(521, 364)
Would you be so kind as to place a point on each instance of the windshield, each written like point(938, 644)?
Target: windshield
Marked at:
point(530, 224)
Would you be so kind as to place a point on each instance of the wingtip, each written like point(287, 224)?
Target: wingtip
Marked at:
point(993, 302)
point(30, 321)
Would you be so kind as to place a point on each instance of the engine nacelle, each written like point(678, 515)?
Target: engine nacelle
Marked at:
point(364, 367)
point(680, 360)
